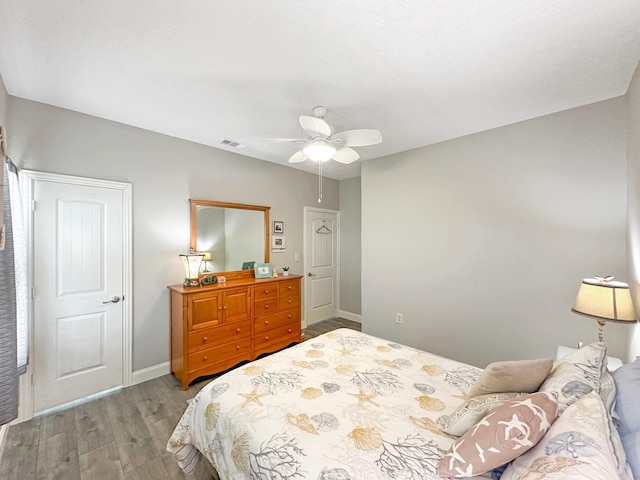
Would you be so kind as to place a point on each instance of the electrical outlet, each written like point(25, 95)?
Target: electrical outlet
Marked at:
point(399, 318)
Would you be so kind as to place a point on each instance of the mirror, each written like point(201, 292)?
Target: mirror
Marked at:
point(233, 233)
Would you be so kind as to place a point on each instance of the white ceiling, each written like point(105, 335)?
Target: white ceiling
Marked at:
point(420, 71)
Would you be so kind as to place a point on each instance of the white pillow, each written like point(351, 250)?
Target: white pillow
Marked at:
point(576, 374)
point(473, 410)
point(578, 445)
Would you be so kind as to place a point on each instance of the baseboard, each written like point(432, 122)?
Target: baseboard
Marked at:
point(149, 373)
point(354, 317)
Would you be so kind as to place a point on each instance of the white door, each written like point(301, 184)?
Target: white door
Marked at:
point(321, 263)
point(78, 275)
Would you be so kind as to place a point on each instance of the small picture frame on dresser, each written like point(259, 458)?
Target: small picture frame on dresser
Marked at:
point(262, 270)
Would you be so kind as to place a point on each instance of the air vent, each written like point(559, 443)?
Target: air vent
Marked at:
point(227, 142)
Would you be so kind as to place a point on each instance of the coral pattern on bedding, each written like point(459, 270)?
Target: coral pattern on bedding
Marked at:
point(344, 405)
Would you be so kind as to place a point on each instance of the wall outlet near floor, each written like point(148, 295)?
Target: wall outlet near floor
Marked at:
point(399, 318)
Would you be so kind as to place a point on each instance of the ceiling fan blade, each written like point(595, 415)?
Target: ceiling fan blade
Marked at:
point(315, 126)
point(281, 140)
point(298, 157)
point(358, 138)
point(346, 155)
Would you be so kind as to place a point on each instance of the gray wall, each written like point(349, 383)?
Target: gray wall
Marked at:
point(165, 172)
point(633, 156)
point(350, 246)
point(481, 242)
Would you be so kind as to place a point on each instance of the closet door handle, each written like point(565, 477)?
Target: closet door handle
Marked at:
point(114, 299)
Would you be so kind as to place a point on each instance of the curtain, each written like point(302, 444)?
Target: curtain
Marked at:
point(13, 297)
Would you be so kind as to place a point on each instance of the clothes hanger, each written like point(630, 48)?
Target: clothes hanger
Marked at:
point(323, 229)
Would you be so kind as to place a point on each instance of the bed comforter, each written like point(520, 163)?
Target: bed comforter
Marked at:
point(344, 405)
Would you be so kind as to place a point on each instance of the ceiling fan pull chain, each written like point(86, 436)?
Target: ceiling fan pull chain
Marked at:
point(319, 182)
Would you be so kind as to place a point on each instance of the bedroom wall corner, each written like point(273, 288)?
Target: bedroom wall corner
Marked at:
point(487, 237)
point(350, 249)
point(633, 208)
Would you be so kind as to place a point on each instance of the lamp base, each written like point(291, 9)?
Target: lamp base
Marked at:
point(601, 330)
point(191, 282)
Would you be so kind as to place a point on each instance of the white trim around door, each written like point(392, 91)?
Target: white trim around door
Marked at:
point(28, 179)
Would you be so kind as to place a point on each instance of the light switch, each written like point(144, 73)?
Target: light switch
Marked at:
point(296, 256)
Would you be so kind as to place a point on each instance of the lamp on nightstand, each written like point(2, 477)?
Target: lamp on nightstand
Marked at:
point(606, 301)
point(206, 259)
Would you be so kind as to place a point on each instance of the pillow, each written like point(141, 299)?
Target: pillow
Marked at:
point(627, 379)
point(507, 432)
point(513, 376)
point(576, 374)
point(471, 412)
point(631, 442)
point(578, 445)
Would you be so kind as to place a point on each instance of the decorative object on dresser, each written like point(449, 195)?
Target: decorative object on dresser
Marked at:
point(191, 262)
point(606, 301)
point(215, 327)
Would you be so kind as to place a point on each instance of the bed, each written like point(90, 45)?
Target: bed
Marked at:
point(343, 405)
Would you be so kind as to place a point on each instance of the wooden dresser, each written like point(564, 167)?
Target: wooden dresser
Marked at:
point(218, 326)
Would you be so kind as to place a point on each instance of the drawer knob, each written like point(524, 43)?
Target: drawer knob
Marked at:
point(204, 339)
point(266, 307)
point(219, 308)
point(266, 338)
point(237, 347)
point(204, 359)
point(225, 307)
point(237, 330)
point(290, 301)
point(289, 330)
point(266, 291)
point(289, 287)
point(266, 322)
point(289, 316)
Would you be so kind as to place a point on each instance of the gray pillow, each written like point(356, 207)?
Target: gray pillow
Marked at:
point(627, 379)
point(523, 376)
point(631, 443)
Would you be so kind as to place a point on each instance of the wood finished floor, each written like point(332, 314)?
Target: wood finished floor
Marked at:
point(121, 436)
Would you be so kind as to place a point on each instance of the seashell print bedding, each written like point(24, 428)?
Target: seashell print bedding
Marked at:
point(344, 405)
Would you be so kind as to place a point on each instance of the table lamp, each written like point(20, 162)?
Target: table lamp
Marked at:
point(191, 263)
point(605, 300)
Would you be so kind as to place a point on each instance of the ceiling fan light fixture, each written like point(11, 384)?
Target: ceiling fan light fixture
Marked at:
point(319, 151)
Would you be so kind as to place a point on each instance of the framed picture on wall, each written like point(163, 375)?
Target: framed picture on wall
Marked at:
point(277, 243)
point(278, 227)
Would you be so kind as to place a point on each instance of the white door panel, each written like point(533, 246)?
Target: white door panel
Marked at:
point(321, 262)
point(78, 239)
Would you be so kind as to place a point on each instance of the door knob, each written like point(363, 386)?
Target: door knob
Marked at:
point(114, 299)
point(311, 274)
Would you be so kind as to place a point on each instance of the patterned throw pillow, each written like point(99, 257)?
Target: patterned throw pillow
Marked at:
point(507, 432)
point(576, 374)
point(578, 445)
point(512, 376)
point(471, 412)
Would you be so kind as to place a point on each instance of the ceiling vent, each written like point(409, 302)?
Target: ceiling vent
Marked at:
point(227, 142)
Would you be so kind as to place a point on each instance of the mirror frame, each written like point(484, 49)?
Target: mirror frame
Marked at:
point(194, 204)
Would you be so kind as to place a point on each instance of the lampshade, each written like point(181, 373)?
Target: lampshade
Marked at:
point(191, 263)
point(319, 150)
point(206, 259)
point(605, 300)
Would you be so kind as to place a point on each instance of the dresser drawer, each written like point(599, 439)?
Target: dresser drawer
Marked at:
point(276, 334)
point(217, 335)
point(220, 354)
point(289, 301)
point(275, 339)
point(288, 287)
point(267, 291)
point(265, 306)
point(280, 319)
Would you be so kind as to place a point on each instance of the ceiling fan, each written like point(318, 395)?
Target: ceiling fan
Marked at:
point(322, 144)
